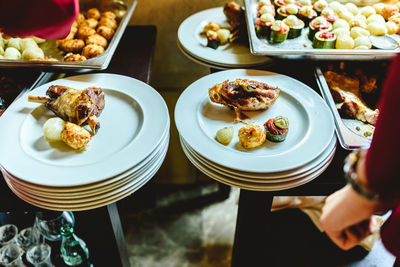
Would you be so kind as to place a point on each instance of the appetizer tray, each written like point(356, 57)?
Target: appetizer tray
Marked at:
point(124, 8)
point(352, 133)
point(301, 47)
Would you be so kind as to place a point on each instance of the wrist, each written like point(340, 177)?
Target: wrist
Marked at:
point(354, 173)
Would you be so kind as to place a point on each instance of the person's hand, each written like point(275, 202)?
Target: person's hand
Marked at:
point(346, 217)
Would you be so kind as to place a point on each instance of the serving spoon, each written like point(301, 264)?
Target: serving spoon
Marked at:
point(385, 42)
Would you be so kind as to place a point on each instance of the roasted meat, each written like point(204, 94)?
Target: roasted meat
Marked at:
point(76, 106)
point(346, 92)
point(236, 18)
point(244, 94)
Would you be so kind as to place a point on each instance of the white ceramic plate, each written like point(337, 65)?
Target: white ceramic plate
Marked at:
point(88, 205)
point(310, 132)
point(285, 176)
point(102, 194)
point(229, 55)
point(132, 123)
point(98, 190)
point(83, 189)
point(257, 186)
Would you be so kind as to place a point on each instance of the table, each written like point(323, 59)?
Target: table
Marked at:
point(254, 207)
point(100, 228)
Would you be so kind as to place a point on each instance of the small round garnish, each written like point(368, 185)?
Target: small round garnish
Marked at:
point(281, 122)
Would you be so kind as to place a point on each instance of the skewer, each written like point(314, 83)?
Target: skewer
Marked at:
point(38, 99)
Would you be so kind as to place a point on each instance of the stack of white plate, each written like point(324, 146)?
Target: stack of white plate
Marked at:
point(194, 46)
point(127, 151)
point(307, 151)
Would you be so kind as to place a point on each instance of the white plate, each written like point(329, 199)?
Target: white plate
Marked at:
point(229, 55)
point(258, 186)
point(310, 132)
point(83, 189)
point(102, 194)
point(133, 121)
point(98, 190)
point(88, 205)
point(285, 177)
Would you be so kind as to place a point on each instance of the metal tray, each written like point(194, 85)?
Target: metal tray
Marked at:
point(345, 128)
point(300, 48)
point(98, 63)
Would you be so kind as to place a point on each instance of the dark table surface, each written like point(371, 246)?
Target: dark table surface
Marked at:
point(99, 228)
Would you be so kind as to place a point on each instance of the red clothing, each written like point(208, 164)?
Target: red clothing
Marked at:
point(48, 19)
point(383, 157)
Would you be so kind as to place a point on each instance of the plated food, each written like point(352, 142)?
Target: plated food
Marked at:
point(217, 35)
point(244, 94)
point(74, 108)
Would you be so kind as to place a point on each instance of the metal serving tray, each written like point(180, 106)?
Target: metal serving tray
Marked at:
point(98, 63)
point(345, 128)
point(301, 47)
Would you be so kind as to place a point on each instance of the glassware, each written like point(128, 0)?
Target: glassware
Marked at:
point(8, 232)
point(11, 255)
point(39, 255)
point(28, 237)
point(49, 223)
point(73, 249)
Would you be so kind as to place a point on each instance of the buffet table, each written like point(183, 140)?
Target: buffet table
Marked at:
point(100, 228)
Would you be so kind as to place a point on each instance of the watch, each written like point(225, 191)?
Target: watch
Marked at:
point(351, 176)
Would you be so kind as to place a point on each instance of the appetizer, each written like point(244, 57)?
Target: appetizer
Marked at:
point(217, 35)
point(295, 26)
point(244, 94)
point(277, 128)
point(56, 129)
point(224, 135)
point(279, 32)
point(251, 136)
point(76, 106)
point(324, 40)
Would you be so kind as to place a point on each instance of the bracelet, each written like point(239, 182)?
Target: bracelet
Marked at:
point(351, 176)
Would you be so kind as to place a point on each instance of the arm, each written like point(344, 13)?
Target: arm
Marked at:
point(48, 19)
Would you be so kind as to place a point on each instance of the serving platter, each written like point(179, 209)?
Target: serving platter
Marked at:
point(300, 48)
point(125, 7)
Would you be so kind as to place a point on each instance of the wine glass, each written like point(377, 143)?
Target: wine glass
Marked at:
point(49, 223)
point(8, 232)
point(28, 237)
point(39, 255)
point(11, 255)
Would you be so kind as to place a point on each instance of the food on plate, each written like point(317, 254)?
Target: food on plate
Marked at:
point(324, 40)
point(263, 25)
point(244, 94)
point(56, 129)
point(277, 128)
point(76, 106)
point(89, 36)
point(279, 32)
point(307, 13)
point(318, 24)
point(344, 42)
point(21, 49)
point(217, 35)
point(251, 136)
point(224, 135)
point(347, 93)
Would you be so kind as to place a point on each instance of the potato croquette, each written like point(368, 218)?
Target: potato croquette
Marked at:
point(71, 35)
point(251, 136)
point(92, 23)
point(93, 13)
point(90, 51)
point(80, 19)
point(106, 32)
point(96, 39)
point(108, 14)
point(111, 23)
point(74, 58)
point(72, 45)
point(84, 32)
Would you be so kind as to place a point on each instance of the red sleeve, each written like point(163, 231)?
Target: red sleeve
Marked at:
point(383, 156)
point(48, 19)
point(390, 233)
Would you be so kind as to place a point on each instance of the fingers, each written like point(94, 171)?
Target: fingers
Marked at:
point(352, 236)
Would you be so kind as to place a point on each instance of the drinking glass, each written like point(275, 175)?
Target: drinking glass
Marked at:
point(39, 255)
point(8, 232)
point(28, 237)
point(49, 223)
point(11, 255)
